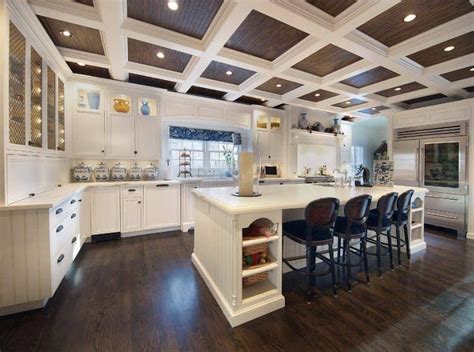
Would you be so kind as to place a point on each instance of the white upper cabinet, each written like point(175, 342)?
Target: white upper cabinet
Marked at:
point(89, 134)
point(121, 136)
point(147, 137)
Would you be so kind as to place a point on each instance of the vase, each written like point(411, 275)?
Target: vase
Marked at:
point(121, 105)
point(145, 108)
point(94, 100)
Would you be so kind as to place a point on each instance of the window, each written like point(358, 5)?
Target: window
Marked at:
point(211, 151)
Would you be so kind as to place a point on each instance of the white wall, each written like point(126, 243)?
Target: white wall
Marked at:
point(326, 118)
point(369, 134)
point(314, 156)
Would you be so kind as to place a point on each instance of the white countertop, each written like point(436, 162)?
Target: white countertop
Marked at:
point(53, 198)
point(292, 196)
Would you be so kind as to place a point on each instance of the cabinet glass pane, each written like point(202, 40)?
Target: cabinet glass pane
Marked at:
point(51, 123)
point(442, 165)
point(17, 129)
point(61, 124)
point(36, 139)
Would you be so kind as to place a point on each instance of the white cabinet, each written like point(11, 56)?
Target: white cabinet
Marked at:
point(271, 146)
point(187, 205)
point(131, 214)
point(84, 200)
point(147, 137)
point(105, 210)
point(161, 206)
point(89, 134)
point(121, 136)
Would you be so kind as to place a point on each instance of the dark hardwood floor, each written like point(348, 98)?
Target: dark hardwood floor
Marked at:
point(143, 294)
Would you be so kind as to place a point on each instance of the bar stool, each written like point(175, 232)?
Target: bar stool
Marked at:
point(400, 218)
point(380, 221)
point(316, 230)
point(353, 226)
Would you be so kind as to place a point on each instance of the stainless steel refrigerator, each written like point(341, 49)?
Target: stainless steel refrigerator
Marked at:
point(435, 157)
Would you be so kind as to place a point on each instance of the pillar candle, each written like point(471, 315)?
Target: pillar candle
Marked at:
point(246, 174)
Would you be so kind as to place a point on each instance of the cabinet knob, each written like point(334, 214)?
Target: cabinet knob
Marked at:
point(135, 152)
point(73, 215)
point(73, 201)
point(139, 202)
point(74, 239)
point(60, 259)
point(32, 194)
point(102, 151)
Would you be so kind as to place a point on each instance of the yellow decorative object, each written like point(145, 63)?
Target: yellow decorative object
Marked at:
point(121, 105)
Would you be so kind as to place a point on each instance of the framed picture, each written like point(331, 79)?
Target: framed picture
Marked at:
point(383, 173)
point(262, 122)
point(146, 107)
point(89, 100)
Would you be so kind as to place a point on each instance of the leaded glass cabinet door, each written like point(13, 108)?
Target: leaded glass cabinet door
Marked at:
point(61, 121)
point(51, 112)
point(17, 121)
point(36, 137)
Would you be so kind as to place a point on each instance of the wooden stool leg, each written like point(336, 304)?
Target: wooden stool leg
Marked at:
point(389, 236)
point(407, 241)
point(347, 255)
point(366, 262)
point(338, 249)
point(379, 254)
point(399, 247)
point(308, 273)
point(333, 270)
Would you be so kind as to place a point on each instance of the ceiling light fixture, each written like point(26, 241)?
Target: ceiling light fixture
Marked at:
point(374, 108)
point(66, 33)
point(160, 55)
point(317, 95)
point(449, 48)
point(262, 99)
point(278, 85)
point(173, 5)
point(228, 73)
point(397, 89)
point(471, 69)
point(409, 17)
point(81, 64)
point(348, 102)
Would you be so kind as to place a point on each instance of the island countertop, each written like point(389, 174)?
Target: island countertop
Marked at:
point(293, 196)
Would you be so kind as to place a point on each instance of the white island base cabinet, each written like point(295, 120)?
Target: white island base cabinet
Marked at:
point(105, 210)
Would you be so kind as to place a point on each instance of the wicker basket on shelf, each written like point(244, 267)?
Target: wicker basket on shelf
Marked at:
point(257, 248)
point(255, 279)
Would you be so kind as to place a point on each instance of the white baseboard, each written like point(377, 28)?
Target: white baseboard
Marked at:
point(470, 236)
point(148, 232)
point(23, 307)
point(186, 226)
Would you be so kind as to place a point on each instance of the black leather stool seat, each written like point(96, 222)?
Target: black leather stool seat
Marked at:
point(297, 230)
point(395, 216)
point(373, 220)
point(341, 225)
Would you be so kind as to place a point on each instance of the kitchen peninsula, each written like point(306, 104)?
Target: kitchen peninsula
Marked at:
point(221, 219)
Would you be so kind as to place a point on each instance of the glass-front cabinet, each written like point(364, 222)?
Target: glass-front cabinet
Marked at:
point(36, 98)
point(443, 164)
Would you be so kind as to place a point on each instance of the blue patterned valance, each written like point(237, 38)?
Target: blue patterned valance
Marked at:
point(200, 134)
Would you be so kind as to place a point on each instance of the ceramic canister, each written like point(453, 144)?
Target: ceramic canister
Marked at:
point(151, 172)
point(135, 172)
point(119, 172)
point(102, 172)
point(82, 172)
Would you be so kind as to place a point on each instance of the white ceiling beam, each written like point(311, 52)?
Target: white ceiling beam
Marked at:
point(466, 61)
point(228, 19)
point(115, 44)
point(410, 95)
point(84, 57)
point(154, 72)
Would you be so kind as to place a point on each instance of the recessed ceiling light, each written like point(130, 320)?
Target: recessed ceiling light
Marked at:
point(398, 88)
point(66, 33)
point(348, 102)
point(471, 69)
point(449, 48)
point(228, 73)
point(81, 64)
point(317, 95)
point(278, 85)
point(262, 99)
point(374, 108)
point(173, 5)
point(409, 17)
point(160, 55)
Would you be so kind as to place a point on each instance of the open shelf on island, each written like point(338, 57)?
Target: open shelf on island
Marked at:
point(260, 268)
point(416, 225)
point(415, 210)
point(250, 241)
point(255, 291)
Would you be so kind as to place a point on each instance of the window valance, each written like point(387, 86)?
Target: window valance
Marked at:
point(200, 134)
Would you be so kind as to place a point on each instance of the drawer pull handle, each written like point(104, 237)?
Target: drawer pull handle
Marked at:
point(73, 215)
point(60, 258)
point(59, 228)
point(59, 211)
point(80, 200)
point(163, 185)
point(132, 190)
point(73, 201)
point(74, 239)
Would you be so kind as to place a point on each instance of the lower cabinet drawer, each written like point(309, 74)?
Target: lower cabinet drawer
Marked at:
point(60, 235)
point(75, 245)
point(59, 265)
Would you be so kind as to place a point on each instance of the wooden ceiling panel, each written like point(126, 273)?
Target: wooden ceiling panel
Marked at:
point(217, 71)
point(372, 76)
point(327, 60)
point(150, 81)
point(86, 2)
point(244, 99)
point(423, 99)
point(318, 95)
point(193, 18)
point(271, 86)
point(389, 27)
point(405, 88)
point(463, 45)
point(89, 70)
point(83, 38)
point(264, 37)
point(349, 103)
point(206, 92)
point(145, 53)
point(466, 72)
point(374, 111)
point(332, 7)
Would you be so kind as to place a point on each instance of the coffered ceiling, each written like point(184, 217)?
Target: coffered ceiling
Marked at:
point(360, 58)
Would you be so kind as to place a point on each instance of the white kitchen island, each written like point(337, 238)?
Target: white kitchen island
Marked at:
point(220, 219)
